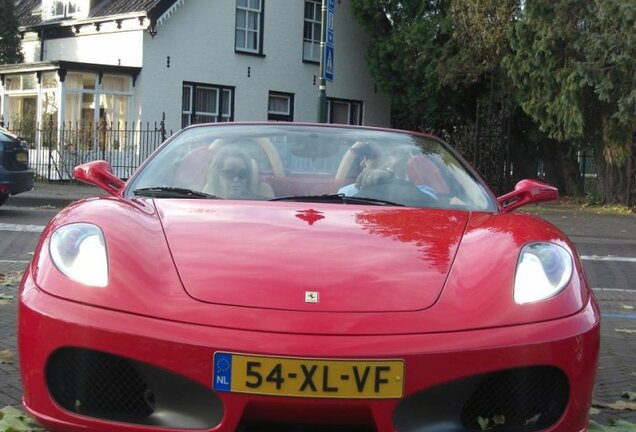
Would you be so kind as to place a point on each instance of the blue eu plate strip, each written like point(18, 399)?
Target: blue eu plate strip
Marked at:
point(222, 372)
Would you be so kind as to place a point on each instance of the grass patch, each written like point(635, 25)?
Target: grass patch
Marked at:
point(580, 206)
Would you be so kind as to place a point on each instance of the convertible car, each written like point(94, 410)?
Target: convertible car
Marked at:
point(298, 277)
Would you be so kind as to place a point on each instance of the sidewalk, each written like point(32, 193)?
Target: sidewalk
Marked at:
point(55, 194)
point(617, 363)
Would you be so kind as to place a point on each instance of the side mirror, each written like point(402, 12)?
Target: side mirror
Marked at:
point(99, 173)
point(527, 191)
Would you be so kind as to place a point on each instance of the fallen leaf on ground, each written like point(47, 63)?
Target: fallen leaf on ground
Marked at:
point(623, 406)
point(614, 426)
point(5, 299)
point(6, 356)
point(628, 331)
point(594, 411)
point(13, 420)
point(629, 395)
point(628, 307)
point(619, 405)
point(10, 279)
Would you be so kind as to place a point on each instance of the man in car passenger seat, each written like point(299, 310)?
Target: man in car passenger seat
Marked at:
point(397, 164)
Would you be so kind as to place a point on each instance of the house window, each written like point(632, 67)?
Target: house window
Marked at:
point(280, 107)
point(311, 32)
point(249, 26)
point(115, 99)
point(88, 104)
point(55, 9)
point(96, 109)
point(205, 103)
point(344, 111)
point(91, 103)
point(20, 102)
point(79, 100)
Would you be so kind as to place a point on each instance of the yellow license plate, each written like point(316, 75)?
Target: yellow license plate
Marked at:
point(21, 157)
point(301, 377)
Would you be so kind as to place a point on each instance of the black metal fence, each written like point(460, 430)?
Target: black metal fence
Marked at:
point(54, 151)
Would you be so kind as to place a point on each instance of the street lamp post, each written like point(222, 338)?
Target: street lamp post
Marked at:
point(322, 87)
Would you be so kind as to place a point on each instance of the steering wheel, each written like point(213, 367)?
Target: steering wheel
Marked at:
point(267, 147)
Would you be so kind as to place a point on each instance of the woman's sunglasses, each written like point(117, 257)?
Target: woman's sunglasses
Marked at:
point(231, 174)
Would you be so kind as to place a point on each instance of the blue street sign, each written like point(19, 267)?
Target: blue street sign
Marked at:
point(330, 21)
point(329, 51)
point(329, 63)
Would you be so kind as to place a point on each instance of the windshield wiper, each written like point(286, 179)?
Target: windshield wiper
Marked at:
point(171, 192)
point(337, 198)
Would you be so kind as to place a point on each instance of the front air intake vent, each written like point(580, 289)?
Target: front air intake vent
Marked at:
point(110, 387)
point(527, 399)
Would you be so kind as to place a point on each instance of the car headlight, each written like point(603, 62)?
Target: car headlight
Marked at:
point(543, 270)
point(79, 251)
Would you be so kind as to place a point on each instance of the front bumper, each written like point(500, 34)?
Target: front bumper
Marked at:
point(65, 346)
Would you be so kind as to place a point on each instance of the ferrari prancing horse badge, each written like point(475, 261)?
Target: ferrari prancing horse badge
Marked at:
point(311, 296)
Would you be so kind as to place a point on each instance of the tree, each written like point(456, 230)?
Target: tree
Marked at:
point(562, 72)
point(407, 40)
point(435, 58)
point(440, 61)
point(10, 46)
point(574, 69)
point(610, 52)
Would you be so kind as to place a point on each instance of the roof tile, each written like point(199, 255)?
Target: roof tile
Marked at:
point(26, 17)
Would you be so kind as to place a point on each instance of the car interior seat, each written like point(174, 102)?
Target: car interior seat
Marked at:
point(422, 171)
point(193, 170)
point(259, 187)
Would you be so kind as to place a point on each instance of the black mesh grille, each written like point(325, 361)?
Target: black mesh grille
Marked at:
point(106, 386)
point(98, 384)
point(526, 400)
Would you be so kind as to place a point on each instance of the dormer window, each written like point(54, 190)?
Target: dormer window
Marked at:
point(59, 9)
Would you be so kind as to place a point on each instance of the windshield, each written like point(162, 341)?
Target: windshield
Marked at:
point(294, 162)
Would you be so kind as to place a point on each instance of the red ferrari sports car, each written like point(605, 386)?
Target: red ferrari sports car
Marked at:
point(305, 277)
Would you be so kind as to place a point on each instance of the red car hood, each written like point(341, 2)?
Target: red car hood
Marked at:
point(282, 256)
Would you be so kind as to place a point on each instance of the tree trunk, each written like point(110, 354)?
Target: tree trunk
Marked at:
point(562, 168)
point(631, 176)
point(615, 182)
point(524, 154)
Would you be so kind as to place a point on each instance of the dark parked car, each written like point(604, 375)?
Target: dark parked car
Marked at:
point(15, 176)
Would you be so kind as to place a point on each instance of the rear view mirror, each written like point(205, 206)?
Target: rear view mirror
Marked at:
point(527, 191)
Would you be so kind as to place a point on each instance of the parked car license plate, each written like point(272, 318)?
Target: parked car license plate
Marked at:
point(21, 157)
point(301, 377)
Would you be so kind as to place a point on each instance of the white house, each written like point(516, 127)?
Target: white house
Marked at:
point(133, 61)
